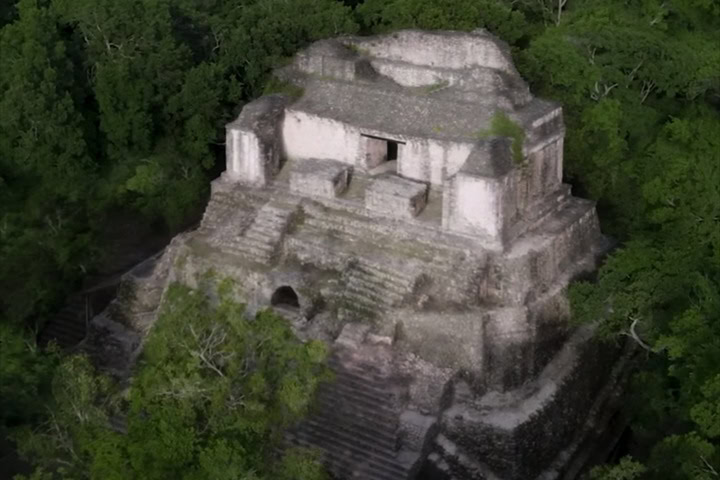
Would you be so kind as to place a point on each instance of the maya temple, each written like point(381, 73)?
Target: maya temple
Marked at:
point(381, 209)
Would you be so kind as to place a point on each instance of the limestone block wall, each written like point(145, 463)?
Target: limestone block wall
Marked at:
point(396, 197)
point(493, 83)
point(443, 50)
point(432, 161)
point(328, 58)
point(532, 183)
point(244, 157)
point(499, 348)
point(310, 136)
point(534, 426)
point(253, 146)
point(426, 160)
point(473, 205)
point(319, 178)
point(535, 264)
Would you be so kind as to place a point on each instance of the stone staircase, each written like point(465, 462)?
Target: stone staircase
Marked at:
point(355, 424)
point(220, 209)
point(263, 236)
point(68, 328)
point(375, 287)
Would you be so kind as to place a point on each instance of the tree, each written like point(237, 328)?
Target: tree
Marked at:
point(211, 398)
point(24, 377)
point(497, 16)
point(661, 289)
point(44, 162)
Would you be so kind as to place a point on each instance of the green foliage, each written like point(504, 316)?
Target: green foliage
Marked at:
point(81, 404)
point(497, 16)
point(108, 105)
point(663, 285)
point(41, 135)
point(626, 469)
point(24, 377)
point(501, 125)
point(275, 85)
point(211, 397)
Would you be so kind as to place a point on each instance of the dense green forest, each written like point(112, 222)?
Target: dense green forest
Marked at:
point(109, 106)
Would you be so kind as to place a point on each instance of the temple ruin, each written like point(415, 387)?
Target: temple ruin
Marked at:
point(380, 211)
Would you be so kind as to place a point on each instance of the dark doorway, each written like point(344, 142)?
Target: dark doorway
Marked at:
point(285, 296)
point(380, 150)
point(392, 150)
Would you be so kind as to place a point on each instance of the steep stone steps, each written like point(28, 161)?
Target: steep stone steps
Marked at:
point(314, 246)
point(355, 424)
point(373, 288)
point(220, 208)
point(262, 238)
point(328, 222)
point(68, 328)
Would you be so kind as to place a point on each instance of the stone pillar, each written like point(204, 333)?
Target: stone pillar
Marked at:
point(254, 141)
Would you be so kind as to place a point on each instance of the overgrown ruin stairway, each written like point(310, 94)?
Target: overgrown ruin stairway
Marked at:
point(68, 328)
point(263, 237)
point(355, 424)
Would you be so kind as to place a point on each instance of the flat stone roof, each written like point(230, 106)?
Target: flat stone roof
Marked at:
point(402, 111)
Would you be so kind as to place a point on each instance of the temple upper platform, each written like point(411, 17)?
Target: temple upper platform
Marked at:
point(418, 106)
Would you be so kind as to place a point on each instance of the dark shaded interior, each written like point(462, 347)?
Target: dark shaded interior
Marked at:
point(285, 296)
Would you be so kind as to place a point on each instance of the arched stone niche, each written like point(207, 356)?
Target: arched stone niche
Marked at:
point(285, 296)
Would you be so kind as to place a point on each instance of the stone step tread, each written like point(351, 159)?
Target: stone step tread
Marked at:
point(272, 211)
point(318, 430)
point(390, 273)
point(356, 427)
point(353, 294)
point(270, 222)
point(391, 293)
point(384, 281)
point(252, 244)
point(362, 378)
point(352, 229)
point(365, 372)
point(333, 222)
point(343, 468)
point(380, 278)
point(361, 302)
point(353, 396)
point(385, 435)
point(376, 292)
point(384, 389)
point(339, 448)
point(375, 301)
point(252, 254)
point(263, 236)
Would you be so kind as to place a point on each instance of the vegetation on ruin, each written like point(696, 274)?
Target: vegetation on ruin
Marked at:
point(119, 105)
point(501, 125)
point(211, 397)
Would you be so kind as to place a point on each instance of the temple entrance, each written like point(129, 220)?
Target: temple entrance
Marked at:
point(381, 150)
point(285, 296)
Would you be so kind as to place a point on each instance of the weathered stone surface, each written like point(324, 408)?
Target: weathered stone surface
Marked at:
point(321, 178)
point(397, 197)
point(375, 214)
